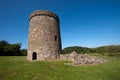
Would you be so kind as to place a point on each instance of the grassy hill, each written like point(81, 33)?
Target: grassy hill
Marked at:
point(18, 68)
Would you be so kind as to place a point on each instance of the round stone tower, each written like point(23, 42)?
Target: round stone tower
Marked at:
point(44, 36)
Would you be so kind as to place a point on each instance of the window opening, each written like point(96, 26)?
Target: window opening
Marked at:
point(55, 38)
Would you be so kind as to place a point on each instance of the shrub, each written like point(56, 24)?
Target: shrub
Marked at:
point(114, 55)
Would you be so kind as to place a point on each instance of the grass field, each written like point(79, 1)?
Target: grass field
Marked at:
point(18, 68)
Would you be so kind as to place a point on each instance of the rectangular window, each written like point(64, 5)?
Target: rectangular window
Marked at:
point(55, 38)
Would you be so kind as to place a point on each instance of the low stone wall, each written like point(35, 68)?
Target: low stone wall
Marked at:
point(81, 58)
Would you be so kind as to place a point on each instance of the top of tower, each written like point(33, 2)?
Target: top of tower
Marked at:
point(43, 13)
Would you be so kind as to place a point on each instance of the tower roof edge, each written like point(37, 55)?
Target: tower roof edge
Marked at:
point(43, 13)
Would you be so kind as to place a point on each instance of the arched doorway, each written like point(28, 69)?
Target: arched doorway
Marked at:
point(34, 56)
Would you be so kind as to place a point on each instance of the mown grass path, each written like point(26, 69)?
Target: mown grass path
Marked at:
point(18, 68)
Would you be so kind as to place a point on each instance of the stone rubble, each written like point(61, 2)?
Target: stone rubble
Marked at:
point(79, 59)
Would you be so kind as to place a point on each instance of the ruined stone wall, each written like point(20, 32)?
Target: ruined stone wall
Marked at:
point(44, 36)
point(79, 59)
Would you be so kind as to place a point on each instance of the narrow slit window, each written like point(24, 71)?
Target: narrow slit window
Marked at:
point(55, 38)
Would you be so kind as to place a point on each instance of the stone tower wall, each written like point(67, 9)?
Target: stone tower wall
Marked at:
point(44, 36)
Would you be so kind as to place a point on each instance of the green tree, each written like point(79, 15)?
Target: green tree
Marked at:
point(3, 43)
point(78, 49)
point(7, 49)
point(24, 52)
point(12, 49)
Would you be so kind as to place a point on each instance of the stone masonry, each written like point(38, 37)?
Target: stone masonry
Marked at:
point(44, 36)
point(78, 59)
point(45, 42)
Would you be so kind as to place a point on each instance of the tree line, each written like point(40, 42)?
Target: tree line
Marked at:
point(7, 49)
point(83, 50)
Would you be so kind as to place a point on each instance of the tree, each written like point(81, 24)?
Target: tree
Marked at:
point(7, 49)
point(24, 52)
point(3, 43)
point(12, 49)
point(78, 49)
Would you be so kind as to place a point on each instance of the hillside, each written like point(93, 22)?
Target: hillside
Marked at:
point(101, 49)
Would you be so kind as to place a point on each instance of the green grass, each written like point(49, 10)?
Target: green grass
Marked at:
point(18, 68)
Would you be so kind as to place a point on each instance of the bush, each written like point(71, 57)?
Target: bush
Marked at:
point(24, 52)
point(114, 55)
point(7, 49)
point(78, 49)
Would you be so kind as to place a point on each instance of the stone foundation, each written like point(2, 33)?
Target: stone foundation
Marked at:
point(79, 59)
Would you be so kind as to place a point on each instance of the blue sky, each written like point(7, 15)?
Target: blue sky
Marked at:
point(88, 23)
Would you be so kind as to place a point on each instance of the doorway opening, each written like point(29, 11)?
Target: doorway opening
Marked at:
point(34, 56)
